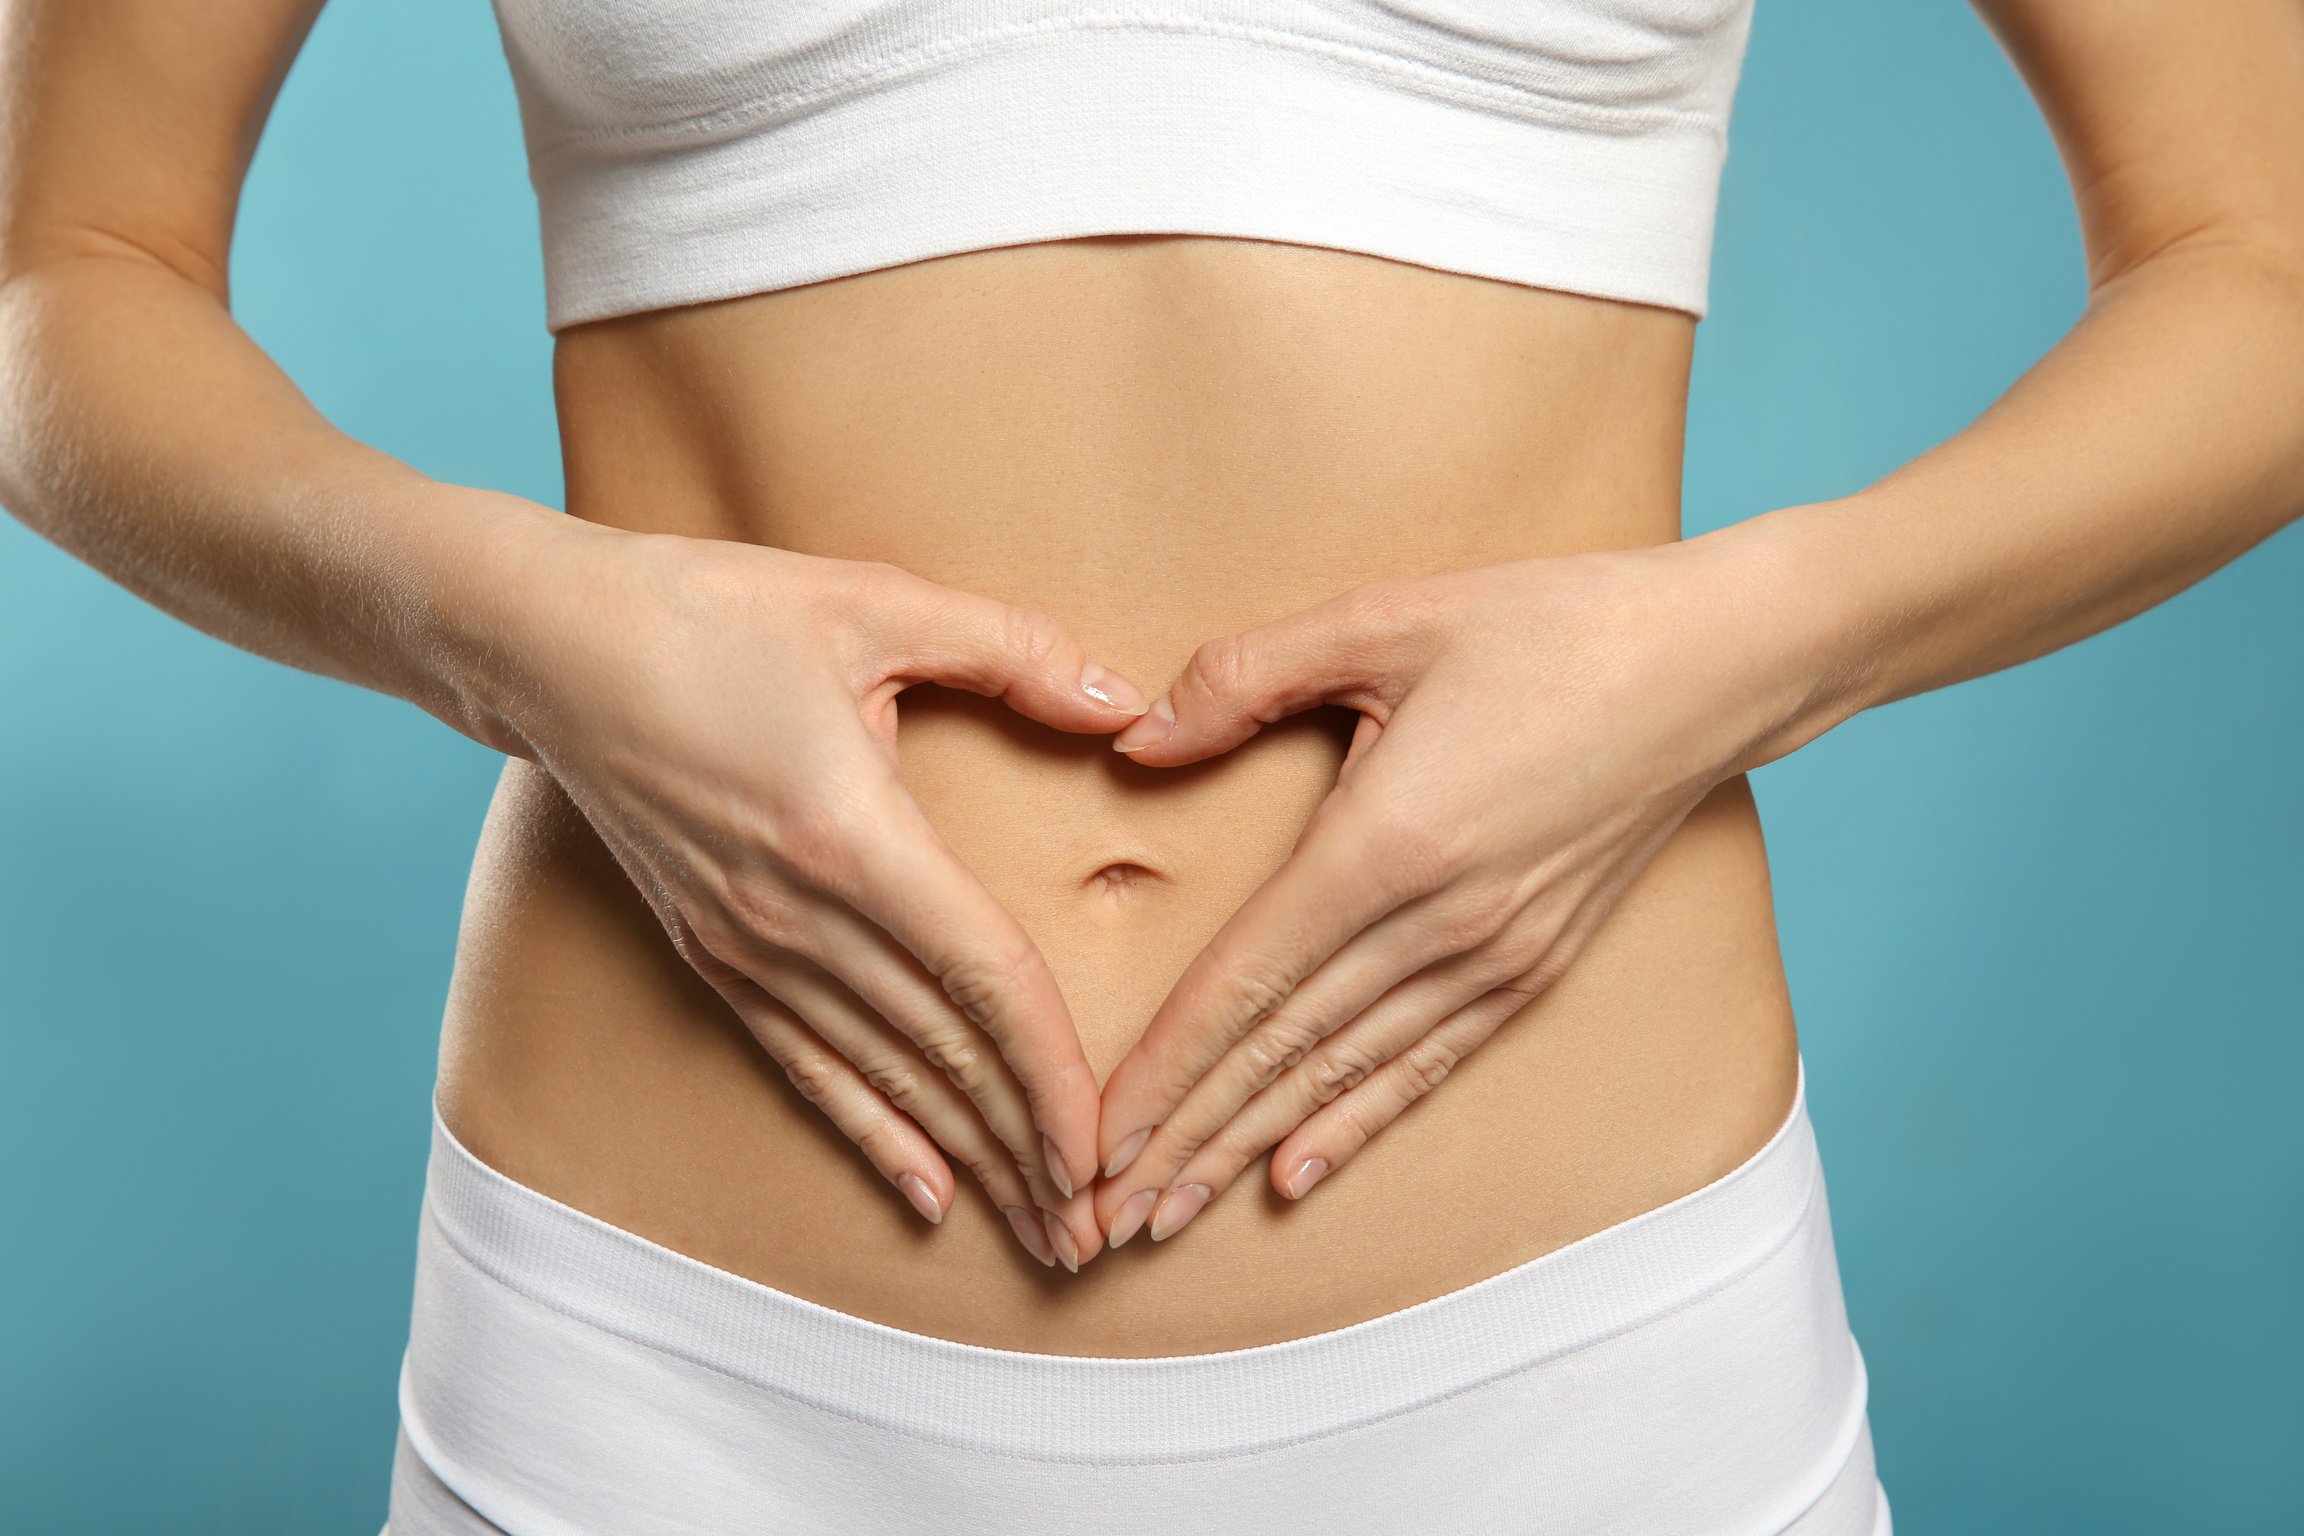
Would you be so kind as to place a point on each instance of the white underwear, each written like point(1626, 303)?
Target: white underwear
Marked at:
point(1689, 1370)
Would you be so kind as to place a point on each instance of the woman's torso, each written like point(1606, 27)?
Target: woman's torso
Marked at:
point(1159, 440)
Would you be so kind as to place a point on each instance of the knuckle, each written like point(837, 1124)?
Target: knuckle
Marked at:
point(1274, 1049)
point(1476, 920)
point(1514, 954)
point(1032, 637)
point(1534, 979)
point(1359, 1116)
point(1337, 1072)
point(1219, 669)
point(757, 911)
point(960, 1056)
point(1532, 960)
point(1424, 1066)
point(703, 942)
point(981, 983)
point(899, 1082)
point(875, 586)
point(814, 1076)
point(875, 1138)
point(1259, 993)
point(1540, 977)
point(1388, 612)
point(816, 840)
point(1178, 1144)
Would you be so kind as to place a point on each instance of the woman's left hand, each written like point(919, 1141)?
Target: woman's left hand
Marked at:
point(1530, 734)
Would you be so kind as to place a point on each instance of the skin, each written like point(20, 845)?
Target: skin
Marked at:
point(1450, 784)
point(852, 420)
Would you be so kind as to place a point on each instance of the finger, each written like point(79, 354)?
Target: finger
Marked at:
point(932, 633)
point(908, 1082)
point(1073, 1232)
point(1341, 1064)
point(1333, 1135)
point(1330, 1137)
point(895, 987)
point(1394, 963)
point(905, 881)
point(1354, 650)
point(895, 1145)
point(1327, 892)
point(872, 894)
point(1053, 1227)
point(1216, 1155)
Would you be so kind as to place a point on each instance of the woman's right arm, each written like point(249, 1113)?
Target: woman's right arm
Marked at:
point(723, 713)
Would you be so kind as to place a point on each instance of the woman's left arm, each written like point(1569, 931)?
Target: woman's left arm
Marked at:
point(1433, 894)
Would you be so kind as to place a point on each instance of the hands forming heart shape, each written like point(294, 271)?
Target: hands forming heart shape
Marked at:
point(1530, 734)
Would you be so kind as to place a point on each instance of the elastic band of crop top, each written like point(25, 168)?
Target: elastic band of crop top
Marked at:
point(1585, 156)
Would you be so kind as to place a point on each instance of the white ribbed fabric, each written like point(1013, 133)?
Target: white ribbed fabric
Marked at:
point(1690, 1370)
point(687, 150)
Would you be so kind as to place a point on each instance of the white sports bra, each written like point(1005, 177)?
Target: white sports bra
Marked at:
point(686, 150)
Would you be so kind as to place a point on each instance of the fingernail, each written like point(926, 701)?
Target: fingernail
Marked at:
point(1125, 1153)
point(1177, 1207)
point(922, 1197)
point(1150, 728)
point(1308, 1173)
point(1067, 1249)
point(1106, 686)
point(1057, 1174)
point(1129, 1219)
point(1030, 1233)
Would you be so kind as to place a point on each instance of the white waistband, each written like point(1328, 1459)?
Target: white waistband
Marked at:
point(1140, 1410)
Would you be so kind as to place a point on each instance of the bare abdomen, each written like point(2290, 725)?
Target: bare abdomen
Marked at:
point(1159, 440)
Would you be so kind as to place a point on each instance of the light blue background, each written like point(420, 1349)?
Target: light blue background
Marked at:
point(2043, 930)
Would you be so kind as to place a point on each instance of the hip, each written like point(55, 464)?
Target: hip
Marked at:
point(1687, 1370)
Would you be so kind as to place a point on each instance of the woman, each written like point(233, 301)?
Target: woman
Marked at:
point(1314, 367)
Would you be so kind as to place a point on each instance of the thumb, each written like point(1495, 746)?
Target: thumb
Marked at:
point(1357, 650)
point(936, 634)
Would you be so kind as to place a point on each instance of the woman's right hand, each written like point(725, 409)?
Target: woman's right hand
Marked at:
point(725, 716)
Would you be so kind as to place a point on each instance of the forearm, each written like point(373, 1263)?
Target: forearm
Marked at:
point(2161, 439)
point(144, 432)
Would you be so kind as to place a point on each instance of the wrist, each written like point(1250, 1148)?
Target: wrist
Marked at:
point(1774, 611)
point(489, 591)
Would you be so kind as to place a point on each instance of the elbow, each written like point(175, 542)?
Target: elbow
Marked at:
point(2276, 256)
point(2239, 292)
point(2262, 249)
point(74, 245)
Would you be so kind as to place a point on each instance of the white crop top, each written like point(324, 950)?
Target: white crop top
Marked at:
point(685, 150)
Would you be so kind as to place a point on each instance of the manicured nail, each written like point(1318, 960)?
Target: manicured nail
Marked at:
point(1057, 1173)
point(1177, 1207)
point(1108, 687)
point(1125, 1153)
point(1308, 1173)
point(1129, 1219)
point(922, 1197)
point(1150, 728)
point(1066, 1248)
point(1030, 1233)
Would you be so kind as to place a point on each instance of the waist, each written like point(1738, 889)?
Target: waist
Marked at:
point(1160, 442)
point(1157, 439)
